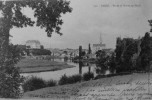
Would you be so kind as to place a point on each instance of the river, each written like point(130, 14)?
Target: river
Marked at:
point(55, 75)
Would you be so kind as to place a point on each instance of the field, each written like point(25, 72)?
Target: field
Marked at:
point(137, 86)
point(34, 65)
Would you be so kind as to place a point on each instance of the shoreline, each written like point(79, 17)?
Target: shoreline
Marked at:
point(34, 66)
point(54, 69)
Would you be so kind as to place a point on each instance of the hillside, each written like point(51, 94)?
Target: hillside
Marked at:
point(127, 87)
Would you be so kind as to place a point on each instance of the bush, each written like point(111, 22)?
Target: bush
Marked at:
point(74, 79)
point(51, 83)
point(63, 80)
point(87, 76)
point(33, 83)
point(37, 52)
point(69, 80)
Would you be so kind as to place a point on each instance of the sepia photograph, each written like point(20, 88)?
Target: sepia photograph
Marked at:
point(75, 49)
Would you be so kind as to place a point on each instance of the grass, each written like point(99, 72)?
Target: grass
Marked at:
point(88, 88)
point(112, 75)
point(34, 65)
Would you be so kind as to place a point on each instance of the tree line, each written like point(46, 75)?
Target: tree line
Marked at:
point(130, 55)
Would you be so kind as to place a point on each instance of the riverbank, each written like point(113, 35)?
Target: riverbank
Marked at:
point(34, 65)
point(137, 86)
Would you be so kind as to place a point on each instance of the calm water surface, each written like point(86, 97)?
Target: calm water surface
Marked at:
point(55, 75)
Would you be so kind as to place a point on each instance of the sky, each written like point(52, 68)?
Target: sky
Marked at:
point(89, 19)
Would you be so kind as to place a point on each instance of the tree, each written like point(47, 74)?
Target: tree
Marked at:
point(118, 50)
point(83, 53)
point(89, 50)
point(145, 54)
point(80, 52)
point(65, 52)
point(112, 63)
point(10, 78)
point(102, 62)
point(125, 49)
point(150, 24)
point(42, 47)
point(40, 52)
point(48, 14)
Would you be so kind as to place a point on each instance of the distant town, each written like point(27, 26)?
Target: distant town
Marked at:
point(30, 48)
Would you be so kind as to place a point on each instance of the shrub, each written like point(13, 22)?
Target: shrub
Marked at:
point(40, 52)
point(33, 83)
point(87, 76)
point(63, 80)
point(74, 79)
point(69, 80)
point(51, 83)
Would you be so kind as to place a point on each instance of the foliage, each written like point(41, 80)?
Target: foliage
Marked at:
point(40, 52)
point(102, 62)
point(65, 58)
point(63, 80)
point(89, 50)
point(74, 79)
point(118, 50)
point(33, 83)
point(69, 80)
point(47, 12)
point(83, 53)
point(87, 76)
point(42, 47)
point(125, 49)
point(10, 78)
point(133, 54)
point(150, 24)
point(145, 55)
point(92, 60)
point(76, 58)
point(65, 52)
point(112, 63)
point(51, 83)
point(48, 15)
point(80, 52)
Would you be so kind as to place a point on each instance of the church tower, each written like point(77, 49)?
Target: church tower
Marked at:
point(99, 46)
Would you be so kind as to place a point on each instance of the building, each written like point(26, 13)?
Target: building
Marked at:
point(33, 44)
point(98, 46)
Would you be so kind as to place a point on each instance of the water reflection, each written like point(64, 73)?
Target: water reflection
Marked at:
point(81, 68)
point(101, 69)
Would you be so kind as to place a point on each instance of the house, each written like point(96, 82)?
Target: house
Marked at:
point(33, 44)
